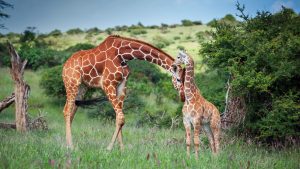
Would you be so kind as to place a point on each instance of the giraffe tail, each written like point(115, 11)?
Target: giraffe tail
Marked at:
point(91, 102)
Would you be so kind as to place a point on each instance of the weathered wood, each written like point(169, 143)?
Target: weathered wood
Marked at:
point(8, 125)
point(21, 89)
point(235, 109)
point(7, 102)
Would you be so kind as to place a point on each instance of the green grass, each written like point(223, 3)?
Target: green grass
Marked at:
point(145, 147)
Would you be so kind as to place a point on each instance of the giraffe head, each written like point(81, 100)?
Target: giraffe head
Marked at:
point(182, 58)
point(178, 80)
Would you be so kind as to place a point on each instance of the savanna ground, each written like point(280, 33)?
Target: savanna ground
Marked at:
point(145, 147)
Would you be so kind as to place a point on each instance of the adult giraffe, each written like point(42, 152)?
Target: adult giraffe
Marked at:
point(105, 66)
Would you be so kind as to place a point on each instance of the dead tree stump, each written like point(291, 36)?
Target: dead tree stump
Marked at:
point(21, 89)
point(7, 102)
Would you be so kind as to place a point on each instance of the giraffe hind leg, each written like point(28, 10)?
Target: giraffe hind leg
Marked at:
point(69, 111)
point(210, 136)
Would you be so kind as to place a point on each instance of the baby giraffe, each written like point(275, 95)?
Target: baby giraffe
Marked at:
point(196, 110)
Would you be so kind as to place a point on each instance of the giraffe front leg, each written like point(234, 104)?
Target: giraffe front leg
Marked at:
point(197, 127)
point(121, 93)
point(111, 92)
point(187, 126)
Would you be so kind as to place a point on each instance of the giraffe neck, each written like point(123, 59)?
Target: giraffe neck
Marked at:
point(190, 87)
point(130, 49)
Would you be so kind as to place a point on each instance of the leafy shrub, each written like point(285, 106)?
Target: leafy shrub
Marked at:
point(5, 57)
point(197, 22)
point(55, 33)
point(80, 46)
point(181, 47)
point(28, 35)
point(94, 30)
point(176, 37)
point(52, 83)
point(187, 22)
point(137, 31)
point(213, 23)
point(40, 57)
point(161, 42)
point(74, 31)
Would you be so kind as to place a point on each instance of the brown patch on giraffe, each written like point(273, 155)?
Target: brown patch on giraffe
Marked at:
point(99, 67)
point(87, 69)
point(92, 59)
point(123, 50)
point(145, 49)
point(118, 76)
point(124, 43)
point(96, 81)
point(148, 58)
point(87, 78)
point(134, 45)
point(127, 56)
point(159, 62)
point(100, 57)
point(85, 62)
point(111, 52)
point(137, 54)
point(117, 44)
point(93, 73)
point(154, 53)
point(111, 66)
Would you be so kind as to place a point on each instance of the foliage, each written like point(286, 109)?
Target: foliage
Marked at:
point(197, 23)
point(55, 33)
point(262, 55)
point(28, 35)
point(40, 57)
point(161, 42)
point(3, 15)
point(137, 31)
point(94, 30)
point(74, 31)
point(80, 46)
point(52, 83)
point(227, 19)
point(5, 57)
point(187, 22)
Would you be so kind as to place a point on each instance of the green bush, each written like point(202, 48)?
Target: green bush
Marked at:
point(137, 31)
point(80, 46)
point(262, 55)
point(160, 42)
point(187, 22)
point(74, 31)
point(52, 83)
point(40, 57)
point(176, 38)
point(55, 33)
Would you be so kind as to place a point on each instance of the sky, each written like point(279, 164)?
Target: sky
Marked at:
point(47, 15)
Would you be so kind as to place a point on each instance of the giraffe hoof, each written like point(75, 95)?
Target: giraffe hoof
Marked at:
point(109, 148)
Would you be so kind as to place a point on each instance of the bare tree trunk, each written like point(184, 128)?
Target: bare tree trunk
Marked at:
point(235, 109)
point(21, 89)
point(7, 102)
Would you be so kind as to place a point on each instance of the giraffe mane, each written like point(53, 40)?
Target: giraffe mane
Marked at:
point(142, 42)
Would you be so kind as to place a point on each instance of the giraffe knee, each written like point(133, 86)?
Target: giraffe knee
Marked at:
point(120, 119)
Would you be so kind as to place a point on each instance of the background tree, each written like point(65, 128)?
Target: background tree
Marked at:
point(4, 15)
point(262, 57)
